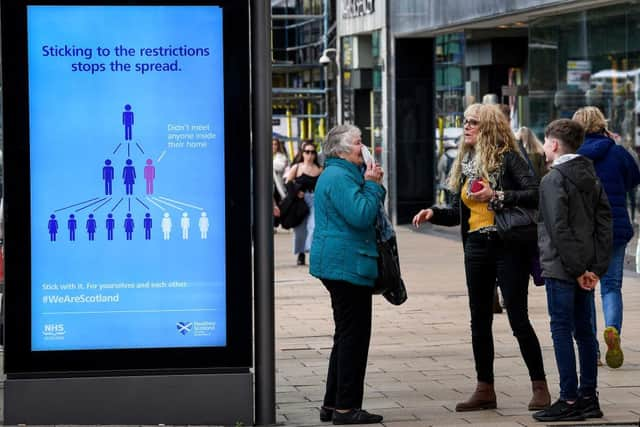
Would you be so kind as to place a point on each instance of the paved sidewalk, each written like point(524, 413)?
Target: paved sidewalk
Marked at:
point(420, 361)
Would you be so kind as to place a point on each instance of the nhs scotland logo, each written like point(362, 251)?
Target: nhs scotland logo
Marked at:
point(53, 331)
point(184, 327)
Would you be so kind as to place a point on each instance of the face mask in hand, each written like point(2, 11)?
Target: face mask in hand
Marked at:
point(366, 155)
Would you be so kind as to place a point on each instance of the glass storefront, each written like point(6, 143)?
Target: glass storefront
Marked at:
point(450, 79)
point(587, 58)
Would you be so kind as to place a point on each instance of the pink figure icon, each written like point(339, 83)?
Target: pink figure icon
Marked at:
point(149, 175)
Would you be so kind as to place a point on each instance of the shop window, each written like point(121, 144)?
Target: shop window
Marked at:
point(587, 58)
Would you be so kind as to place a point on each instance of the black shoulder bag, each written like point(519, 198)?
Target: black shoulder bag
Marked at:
point(516, 224)
point(389, 282)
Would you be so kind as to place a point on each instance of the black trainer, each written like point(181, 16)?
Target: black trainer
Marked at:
point(355, 416)
point(326, 414)
point(590, 407)
point(560, 411)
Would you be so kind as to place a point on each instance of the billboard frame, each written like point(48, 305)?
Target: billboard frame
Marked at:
point(236, 356)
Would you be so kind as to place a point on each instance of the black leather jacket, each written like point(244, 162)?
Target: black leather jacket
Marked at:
point(520, 188)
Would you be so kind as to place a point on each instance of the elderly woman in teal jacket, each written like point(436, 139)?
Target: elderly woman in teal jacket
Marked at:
point(344, 258)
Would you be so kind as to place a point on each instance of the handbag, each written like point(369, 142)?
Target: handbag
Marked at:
point(517, 224)
point(389, 282)
point(293, 210)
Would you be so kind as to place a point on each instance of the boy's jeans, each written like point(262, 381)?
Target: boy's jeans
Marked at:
point(570, 309)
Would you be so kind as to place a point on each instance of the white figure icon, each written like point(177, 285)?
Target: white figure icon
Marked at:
point(203, 224)
point(166, 225)
point(185, 223)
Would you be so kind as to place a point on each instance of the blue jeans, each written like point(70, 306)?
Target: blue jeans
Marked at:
point(570, 309)
point(611, 290)
point(303, 233)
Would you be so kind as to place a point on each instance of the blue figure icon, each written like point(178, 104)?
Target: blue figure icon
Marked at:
point(147, 226)
point(111, 224)
point(128, 226)
point(72, 224)
point(107, 175)
point(53, 227)
point(91, 227)
point(127, 121)
point(129, 176)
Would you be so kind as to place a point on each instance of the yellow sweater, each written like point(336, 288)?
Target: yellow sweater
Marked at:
point(481, 216)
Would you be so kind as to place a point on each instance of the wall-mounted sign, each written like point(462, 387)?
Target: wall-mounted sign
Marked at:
point(355, 8)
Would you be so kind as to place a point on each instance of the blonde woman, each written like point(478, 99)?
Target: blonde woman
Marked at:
point(490, 173)
point(533, 147)
point(618, 174)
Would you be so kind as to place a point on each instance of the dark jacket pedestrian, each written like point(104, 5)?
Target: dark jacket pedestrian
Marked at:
point(619, 175)
point(490, 174)
point(574, 238)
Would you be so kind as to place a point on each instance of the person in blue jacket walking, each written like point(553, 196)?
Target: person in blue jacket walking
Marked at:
point(344, 258)
point(619, 174)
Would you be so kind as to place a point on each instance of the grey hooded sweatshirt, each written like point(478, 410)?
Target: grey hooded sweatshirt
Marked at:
point(574, 228)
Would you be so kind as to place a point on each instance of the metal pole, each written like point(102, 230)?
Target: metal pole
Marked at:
point(326, 97)
point(264, 319)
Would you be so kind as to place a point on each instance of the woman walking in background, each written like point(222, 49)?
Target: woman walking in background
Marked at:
point(301, 180)
point(280, 163)
point(533, 147)
point(618, 174)
point(488, 175)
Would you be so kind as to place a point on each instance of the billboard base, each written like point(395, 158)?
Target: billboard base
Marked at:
point(212, 399)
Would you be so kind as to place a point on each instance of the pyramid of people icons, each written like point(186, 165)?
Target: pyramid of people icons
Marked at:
point(108, 216)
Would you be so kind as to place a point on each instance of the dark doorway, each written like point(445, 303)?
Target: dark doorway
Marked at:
point(362, 99)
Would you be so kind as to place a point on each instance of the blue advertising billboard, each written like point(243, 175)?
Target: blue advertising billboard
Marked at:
point(127, 192)
point(127, 185)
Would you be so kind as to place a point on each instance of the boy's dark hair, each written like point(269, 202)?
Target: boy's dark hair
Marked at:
point(570, 133)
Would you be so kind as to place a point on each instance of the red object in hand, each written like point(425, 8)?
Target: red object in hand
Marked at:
point(476, 185)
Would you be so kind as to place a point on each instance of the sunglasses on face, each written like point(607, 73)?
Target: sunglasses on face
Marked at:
point(471, 122)
point(309, 151)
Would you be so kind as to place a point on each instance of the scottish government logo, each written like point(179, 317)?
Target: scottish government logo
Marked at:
point(184, 327)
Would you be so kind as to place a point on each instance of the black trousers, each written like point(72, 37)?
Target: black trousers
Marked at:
point(487, 258)
point(351, 306)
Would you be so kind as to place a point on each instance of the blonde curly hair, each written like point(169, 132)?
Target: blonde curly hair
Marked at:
point(495, 138)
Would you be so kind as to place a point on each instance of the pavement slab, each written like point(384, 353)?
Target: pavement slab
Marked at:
point(420, 359)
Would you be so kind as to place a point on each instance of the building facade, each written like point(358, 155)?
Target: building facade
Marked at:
point(545, 58)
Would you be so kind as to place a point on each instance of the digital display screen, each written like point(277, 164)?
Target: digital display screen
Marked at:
point(126, 122)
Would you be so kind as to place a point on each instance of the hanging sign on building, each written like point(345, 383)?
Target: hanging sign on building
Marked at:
point(355, 8)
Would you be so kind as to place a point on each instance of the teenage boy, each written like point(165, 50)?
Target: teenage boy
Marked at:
point(574, 237)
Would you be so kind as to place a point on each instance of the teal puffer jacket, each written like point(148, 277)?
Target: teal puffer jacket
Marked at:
point(344, 238)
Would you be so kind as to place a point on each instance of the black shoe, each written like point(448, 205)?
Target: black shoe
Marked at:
point(560, 411)
point(326, 414)
point(300, 259)
point(590, 407)
point(355, 416)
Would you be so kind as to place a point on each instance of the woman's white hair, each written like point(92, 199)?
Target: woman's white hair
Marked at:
point(339, 140)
